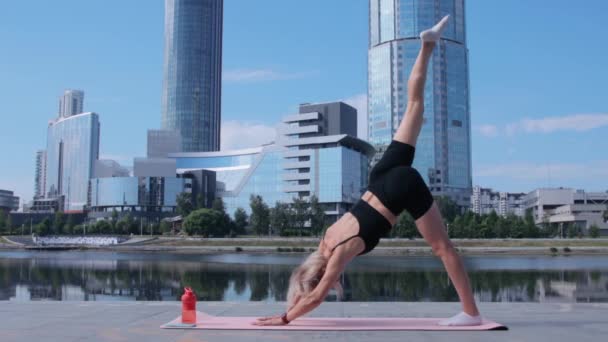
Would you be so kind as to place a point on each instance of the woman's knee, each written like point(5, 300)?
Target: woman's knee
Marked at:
point(443, 248)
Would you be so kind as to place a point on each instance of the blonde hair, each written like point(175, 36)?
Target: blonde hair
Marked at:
point(306, 277)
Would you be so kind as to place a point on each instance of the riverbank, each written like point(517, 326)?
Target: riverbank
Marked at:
point(193, 245)
point(135, 321)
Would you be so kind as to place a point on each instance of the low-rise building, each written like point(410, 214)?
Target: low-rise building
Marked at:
point(561, 206)
point(8, 201)
point(151, 191)
point(486, 200)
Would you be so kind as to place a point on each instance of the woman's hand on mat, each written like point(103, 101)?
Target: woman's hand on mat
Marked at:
point(272, 320)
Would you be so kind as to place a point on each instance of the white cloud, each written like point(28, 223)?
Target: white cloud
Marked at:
point(261, 75)
point(239, 134)
point(574, 122)
point(542, 172)
point(359, 101)
point(487, 130)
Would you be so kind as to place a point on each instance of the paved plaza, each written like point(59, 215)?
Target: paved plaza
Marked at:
point(140, 321)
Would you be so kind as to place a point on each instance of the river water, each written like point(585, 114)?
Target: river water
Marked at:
point(106, 276)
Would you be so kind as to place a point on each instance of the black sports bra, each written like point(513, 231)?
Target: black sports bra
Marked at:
point(372, 226)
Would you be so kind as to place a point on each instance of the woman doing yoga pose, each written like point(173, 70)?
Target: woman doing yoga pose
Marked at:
point(394, 186)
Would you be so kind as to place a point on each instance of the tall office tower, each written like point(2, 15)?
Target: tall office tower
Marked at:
point(71, 103)
point(443, 150)
point(72, 149)
point(192, 84)
point(40, 181)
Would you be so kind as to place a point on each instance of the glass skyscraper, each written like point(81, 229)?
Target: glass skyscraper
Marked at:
point(443, 150)
point(71, 150)
point(71, 103)
point(192, 84)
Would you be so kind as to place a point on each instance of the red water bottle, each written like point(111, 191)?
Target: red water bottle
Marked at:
point(188, 306)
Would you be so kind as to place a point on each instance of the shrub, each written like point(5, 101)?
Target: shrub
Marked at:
point(238, 249)
point(567, 250)
point(553, 250)
point(594, 231)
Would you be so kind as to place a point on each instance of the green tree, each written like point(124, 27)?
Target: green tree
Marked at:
point(58, 222)
point(260, 215)
point(2, 220)
point(103, 227)
point(43, 228)
point(573, 230)
point(203, 222)
point(301, 214)
point(456, 228)
point(9, 223)
point(317, 216)
point(448, 208)
point(165, 227)
point(121, 227)
point(240, 220)
point(594, 231)
point(78, 229)
point(70, 223)
point(126, 225)
point(184, 204)
point(114, 221)
point(501, 227)
point(405, 227)
point(280, 218)
point(226, 225)
point(218, 204)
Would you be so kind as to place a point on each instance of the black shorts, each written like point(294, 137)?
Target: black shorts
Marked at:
point(397, 184)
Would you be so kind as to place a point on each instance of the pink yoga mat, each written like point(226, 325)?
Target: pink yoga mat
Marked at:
point(208, 322)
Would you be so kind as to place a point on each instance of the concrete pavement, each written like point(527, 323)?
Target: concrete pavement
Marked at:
point(140, 321)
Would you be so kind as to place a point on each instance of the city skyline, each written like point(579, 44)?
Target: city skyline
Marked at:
point(261, 85)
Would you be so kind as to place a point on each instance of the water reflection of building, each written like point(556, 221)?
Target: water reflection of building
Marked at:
point(94, 278)
point(593, 287)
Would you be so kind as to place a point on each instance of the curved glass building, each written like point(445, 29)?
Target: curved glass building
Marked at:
point(443, 150)
point(72, 148)
point(303, 161)
point(192, 83)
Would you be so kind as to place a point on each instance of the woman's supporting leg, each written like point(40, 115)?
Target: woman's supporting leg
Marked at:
point(431, 227)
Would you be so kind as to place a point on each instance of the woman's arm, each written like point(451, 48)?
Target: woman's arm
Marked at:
point(304, 305)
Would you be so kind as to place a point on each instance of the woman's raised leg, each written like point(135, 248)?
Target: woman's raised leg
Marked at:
point(412, 120)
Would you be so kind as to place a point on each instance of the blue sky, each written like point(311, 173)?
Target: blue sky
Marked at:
point(538, 79)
